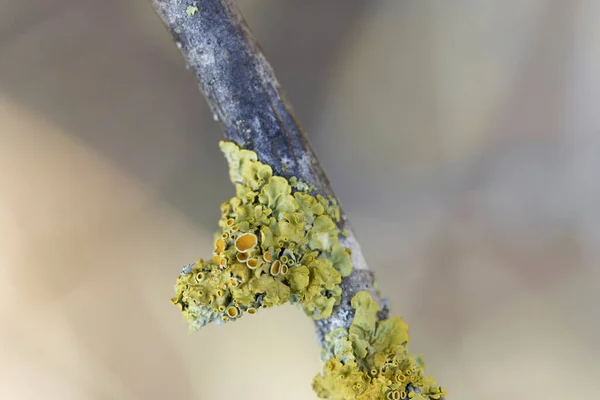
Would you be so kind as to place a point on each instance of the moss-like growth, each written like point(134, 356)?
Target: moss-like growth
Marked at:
point(371, 361)
point(274, 246)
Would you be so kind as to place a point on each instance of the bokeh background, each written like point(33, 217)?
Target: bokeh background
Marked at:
point(462, 137)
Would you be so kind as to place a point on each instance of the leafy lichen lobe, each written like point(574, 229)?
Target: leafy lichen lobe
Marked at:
point(274, 247)
point(371, 360)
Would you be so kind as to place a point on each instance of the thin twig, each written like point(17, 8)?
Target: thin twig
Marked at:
point(244, 95)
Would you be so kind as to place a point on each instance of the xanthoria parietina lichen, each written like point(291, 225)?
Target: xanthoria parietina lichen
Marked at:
point(279, 243)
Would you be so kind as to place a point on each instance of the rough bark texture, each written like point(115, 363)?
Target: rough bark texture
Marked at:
point(244, 95)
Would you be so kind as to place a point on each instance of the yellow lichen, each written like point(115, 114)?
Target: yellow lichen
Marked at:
point(232, 312)
point(275, 246)
point(220, 245)
point(371, 360)
point(275, 268)
point(253, 263)
point(191, 10)
point(245, 242)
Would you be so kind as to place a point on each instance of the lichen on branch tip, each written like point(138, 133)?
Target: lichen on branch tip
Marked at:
point(274, 247)
point(371, 360)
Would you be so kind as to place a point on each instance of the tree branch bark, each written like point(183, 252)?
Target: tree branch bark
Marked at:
point(244, 95)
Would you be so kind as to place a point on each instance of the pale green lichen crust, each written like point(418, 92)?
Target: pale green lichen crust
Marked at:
point(299, 184)
point(371, 360)
point(273, 247)
point(191, 10)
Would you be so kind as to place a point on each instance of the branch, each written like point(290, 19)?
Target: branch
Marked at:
point(366, 359)
point(244, 95)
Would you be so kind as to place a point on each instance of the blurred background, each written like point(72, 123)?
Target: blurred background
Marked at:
point(462, 137)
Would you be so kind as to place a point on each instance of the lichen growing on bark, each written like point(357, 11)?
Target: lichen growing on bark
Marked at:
point(274, 246)
point(191, 10)
point(371, 360)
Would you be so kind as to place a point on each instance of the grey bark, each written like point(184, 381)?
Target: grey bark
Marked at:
point(244, 95)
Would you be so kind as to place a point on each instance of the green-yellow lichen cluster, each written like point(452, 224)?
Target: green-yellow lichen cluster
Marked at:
point(371, 361)
point(273, 247)
point(191, 10)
